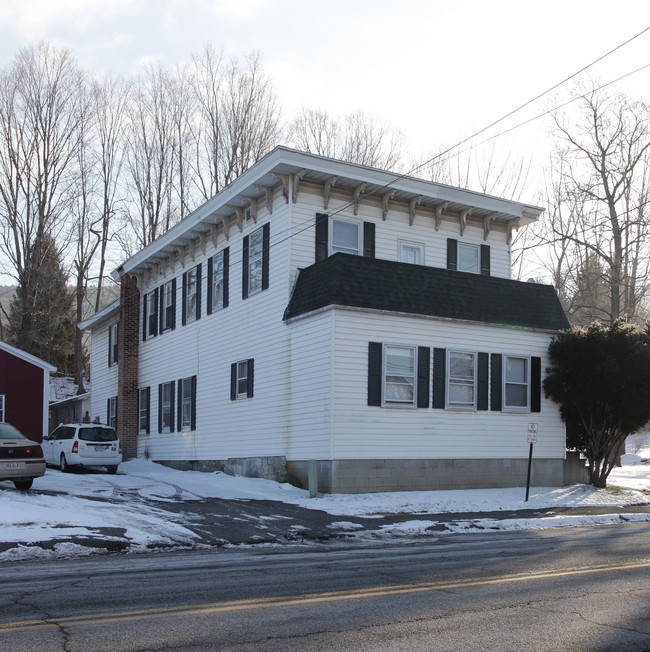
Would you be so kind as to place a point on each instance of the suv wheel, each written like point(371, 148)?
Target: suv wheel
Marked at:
point(112, 469)
point(63, 464)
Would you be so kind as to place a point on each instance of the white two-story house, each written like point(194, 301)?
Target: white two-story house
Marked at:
point(317, 311)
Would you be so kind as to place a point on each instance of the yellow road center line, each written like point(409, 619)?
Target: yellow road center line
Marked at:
point(329, 596)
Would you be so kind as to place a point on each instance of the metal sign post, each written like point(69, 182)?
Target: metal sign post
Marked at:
point(532, 439)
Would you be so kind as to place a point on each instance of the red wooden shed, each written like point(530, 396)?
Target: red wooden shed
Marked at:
point(24, 391)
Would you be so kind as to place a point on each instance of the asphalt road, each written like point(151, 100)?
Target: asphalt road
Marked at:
point(578, 589)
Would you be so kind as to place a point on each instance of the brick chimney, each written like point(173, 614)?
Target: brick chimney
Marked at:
point(127, 384)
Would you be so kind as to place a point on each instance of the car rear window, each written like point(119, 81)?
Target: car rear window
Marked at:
point(97, 434)
point(9, 432)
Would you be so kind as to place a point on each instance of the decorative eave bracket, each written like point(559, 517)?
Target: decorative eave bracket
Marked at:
point(252, 206)
point(358, 191)
point(438, 214)
point(487, 226)
point(297, 178)
point(268, 196)
point(412, 204)
point(239, 212)
point(385, 199)
point(463, 219)
point(329, 184)
point(284, 180)
point(510, 225)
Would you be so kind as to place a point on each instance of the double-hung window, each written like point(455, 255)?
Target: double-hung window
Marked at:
point(168, 306)
point(255, 258)
point(468, 258)
point(143, 409)
point(112, 344)
point(411, 252)
point(111, 412)
point(191, 295)
point(461, 380)
point(166, 407)
point(2, 408)
point(399, 375)
point(187, 403)
point(241, 379)
point(151, 314)
point(346, 237)
point(516, 383)
point(218, 281)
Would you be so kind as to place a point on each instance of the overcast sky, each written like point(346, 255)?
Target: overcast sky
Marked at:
point(437, 69)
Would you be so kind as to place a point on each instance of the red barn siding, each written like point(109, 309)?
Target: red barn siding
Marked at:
point(22, 384)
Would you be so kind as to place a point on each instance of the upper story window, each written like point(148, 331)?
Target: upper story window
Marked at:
point(516, 383)
point(168, 306)
point(218, 281)
point(346, 237)
point(342, 235)
point(113, 331)
point(192, 295)
point(461, 379)
point(411, 252)
point(150, 315)
point(255, 267)
point(466, 257)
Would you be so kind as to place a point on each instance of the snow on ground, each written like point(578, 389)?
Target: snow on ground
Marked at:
point(73, 509)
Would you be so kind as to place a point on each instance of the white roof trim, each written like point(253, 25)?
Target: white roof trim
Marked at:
point(27, 357)
point(283, 160)
point(109, 311)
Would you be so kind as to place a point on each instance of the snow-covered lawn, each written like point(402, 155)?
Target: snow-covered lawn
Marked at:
point(72, 510)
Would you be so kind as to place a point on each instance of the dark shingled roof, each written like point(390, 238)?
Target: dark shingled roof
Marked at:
point(360, 282)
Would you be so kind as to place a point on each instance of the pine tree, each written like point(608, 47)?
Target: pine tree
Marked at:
point(41, 320)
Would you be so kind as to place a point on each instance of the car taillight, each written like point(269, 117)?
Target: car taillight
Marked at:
point(33, 451)
point(38, 451)
point(75, 447)
point(120, 446)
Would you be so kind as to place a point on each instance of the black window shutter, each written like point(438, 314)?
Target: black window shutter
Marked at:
point(266, 236)
point(208, 308)
point(250, 379)
point(148, 419)
point(369, 239)
point(198, 291)
point(424, 358)
point(160, 395)
point(496, 390)
point(233, 381)
point(173, 307)
point(439, 378)
point(374, 373)
point(161, 308)
point(116, 343)
point(110, 346)
point(184, 306)
point(244, 270)
point(452, 253)
point(144, 318)
point(226, 275)
point(322, 231)
point(485, 260)
point(171, 411)
point(108, 412)
point(179, 405)
point(193, 414)
point(483, 381)
point(535, 384)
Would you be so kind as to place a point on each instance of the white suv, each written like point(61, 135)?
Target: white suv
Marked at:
point(83, 444)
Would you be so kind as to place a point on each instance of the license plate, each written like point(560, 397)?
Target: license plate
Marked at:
point(12, 466)
point(101, 448)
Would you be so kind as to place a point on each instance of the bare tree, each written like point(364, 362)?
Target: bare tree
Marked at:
point(152, 158)
point(355, 137)
point(601, 167)
point(42, 111)
point(110, 98)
